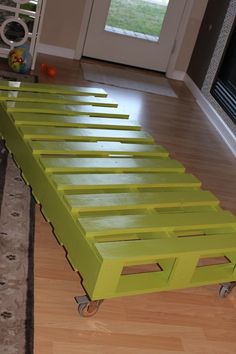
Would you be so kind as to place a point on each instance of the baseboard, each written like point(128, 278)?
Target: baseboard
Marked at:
point(176, 75)
point(213, 116)
point(56, 51)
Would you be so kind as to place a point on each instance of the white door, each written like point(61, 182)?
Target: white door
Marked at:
point(139, 33)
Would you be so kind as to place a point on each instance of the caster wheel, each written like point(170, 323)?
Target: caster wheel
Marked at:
point(226, 288)
point(88, 309)
point(224, 291)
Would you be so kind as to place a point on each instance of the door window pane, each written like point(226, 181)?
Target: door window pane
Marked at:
point(137, 18)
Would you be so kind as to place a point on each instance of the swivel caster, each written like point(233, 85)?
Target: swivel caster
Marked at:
point(87, 307)
point(226, 289)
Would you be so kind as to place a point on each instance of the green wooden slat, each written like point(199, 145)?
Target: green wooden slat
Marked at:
point(47, 88)
point(141, 200)
point(59, 133)
point(126, 180)
point(26, 107)
point(56, 99)
point(112, 164)
point(166, 248)
point(129, 224)
point(74, 121)
point(97, 148)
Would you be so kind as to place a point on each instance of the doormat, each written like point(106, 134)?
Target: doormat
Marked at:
point(127, 78)
point(12, 76)
point(16, 259)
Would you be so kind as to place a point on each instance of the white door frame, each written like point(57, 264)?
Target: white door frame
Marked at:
point(170, 72)
point(83, 29)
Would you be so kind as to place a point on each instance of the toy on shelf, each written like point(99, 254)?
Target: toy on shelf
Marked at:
point(20, 59)
point(20, 23)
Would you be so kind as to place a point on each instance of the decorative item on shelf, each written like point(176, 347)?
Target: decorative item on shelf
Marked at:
point(20, 59)
point(20, 23)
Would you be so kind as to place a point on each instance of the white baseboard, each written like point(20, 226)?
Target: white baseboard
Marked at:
point(56, 51)
point(213, 116)
point(176, 75)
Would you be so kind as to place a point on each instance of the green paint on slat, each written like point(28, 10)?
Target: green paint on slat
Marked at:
point(214, 274)
point(113, 225)
point(117, 180)
point(141, 284)
point(26, 107)
point(97, 266)
point(74, 121)
point(70, 165)
point(95, 148)
point(47, 88)
point(141, 200)
point(60, 133)
point(56, 99)
point(167, 248)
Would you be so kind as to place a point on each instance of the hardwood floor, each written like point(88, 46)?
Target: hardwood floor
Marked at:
point(192, 321)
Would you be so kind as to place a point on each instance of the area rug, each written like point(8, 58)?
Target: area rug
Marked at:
point(16, 259)
point(150, 82)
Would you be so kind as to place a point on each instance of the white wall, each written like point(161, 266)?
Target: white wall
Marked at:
point(61, 23)
point(62, 30)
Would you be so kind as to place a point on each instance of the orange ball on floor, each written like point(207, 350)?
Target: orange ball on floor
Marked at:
point(51, 71)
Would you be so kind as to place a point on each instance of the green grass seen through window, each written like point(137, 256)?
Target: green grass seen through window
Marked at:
point(137, 16)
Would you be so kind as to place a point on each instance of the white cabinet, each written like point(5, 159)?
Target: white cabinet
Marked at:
point(20, 22)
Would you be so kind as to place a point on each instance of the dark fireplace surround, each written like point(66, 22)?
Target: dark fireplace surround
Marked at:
point(224, 85)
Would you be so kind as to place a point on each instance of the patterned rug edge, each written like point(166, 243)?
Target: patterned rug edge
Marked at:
point(29, 323)
point(3, 164)
point(12, 325)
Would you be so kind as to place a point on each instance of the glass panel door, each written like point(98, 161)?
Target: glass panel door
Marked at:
point(137, 18)
point(139, 33)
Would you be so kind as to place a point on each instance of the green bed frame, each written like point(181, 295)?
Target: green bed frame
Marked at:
point(130, 218)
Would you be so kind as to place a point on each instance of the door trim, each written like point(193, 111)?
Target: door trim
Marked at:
point(171, 72)
point(83, 29)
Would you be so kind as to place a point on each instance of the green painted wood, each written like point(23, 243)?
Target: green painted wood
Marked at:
point(183, 253)
point(112, 164)
point(140, 250)
point(183, 270)
point(28, 107)
point(153, 282)
point(126, 180)
point(126, 224)
point(74, 121)
point(56, 99)
point(95, 148)
point(141, 200)
point(140, 284)
point(213, 275)
point(47, 88)
point(101, 264)
point(77, 134)
point(51, 202)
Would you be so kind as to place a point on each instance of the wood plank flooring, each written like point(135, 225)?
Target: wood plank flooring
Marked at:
point(190, 321)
